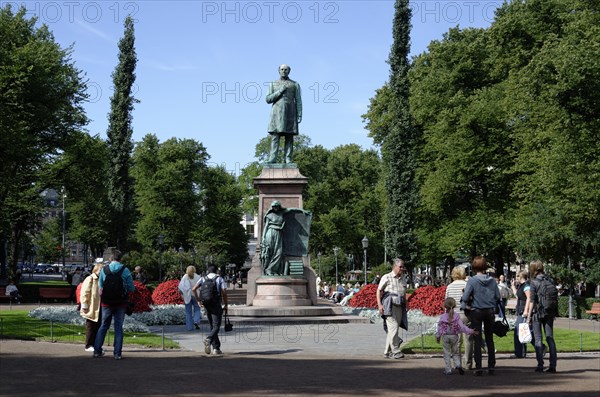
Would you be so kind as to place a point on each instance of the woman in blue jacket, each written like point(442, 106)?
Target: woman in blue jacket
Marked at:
point(481, 297)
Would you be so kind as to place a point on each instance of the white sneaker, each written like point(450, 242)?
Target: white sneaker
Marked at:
point(89, 349)
point(216, 352)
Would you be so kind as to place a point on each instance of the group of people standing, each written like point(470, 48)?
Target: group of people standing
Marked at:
point(99, 311)
point(189, 287)
point(470, 312)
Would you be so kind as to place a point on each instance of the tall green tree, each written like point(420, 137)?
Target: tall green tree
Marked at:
point(391, 125)
point(510, 159)
point(464, 176)
point(41, 96)
point(220, 234)
point(553, 101)
point(168, 190)
point(346, 197)
point(47, 241)
point(82, 169)
point(120, 143)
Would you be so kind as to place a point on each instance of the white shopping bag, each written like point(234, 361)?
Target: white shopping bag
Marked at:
point(524, 333)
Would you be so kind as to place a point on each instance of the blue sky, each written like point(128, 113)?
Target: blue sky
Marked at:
point(203, 65)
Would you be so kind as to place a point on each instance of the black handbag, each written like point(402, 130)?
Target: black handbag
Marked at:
point(228, 325)
point(501, 327)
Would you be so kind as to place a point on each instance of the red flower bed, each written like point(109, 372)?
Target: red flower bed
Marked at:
point(366, 297)
point(428, 299)
point(167, 293)
point(140, 298)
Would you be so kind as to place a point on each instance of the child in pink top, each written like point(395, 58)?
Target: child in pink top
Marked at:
point(448, 329)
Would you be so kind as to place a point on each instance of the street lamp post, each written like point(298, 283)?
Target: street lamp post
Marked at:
point(336, 250)
point(161, 240)
point(64, 225)
point(319, 260)
point(365, 244)
point(181, 251)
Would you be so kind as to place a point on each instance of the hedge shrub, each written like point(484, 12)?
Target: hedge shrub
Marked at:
point(580, 305)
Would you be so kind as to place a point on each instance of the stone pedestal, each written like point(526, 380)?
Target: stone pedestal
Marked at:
point(282, 182)
point(281, 291)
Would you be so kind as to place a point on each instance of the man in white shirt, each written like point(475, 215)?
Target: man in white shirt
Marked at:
point(214, 309)
point(391, 301)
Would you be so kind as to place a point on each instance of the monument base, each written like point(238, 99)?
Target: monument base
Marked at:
point(281, 291)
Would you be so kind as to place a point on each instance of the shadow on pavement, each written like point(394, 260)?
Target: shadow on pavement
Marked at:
point(30, 368)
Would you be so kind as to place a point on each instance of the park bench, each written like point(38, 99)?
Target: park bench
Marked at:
point(55, 293)
point(595, 310)
point(511, 305)
point(3, 296)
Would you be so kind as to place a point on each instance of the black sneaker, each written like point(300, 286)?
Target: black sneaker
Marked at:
point(538, 369)
point(461, 371)
point(551, 370)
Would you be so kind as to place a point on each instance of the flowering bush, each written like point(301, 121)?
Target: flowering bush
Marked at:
point(366, 297)
point(140, 298)
point(167, 293)
point(428, 299)
point(418, 323)
point(162, 315)
point(68, 315)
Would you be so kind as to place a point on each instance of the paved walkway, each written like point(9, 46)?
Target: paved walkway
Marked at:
point(292, 360)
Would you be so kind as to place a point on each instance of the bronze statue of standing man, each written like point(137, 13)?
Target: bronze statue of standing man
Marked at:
point(286, 114)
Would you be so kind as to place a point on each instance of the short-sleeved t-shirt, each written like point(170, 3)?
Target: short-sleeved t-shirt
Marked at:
point(391, 284)
point(221, 284)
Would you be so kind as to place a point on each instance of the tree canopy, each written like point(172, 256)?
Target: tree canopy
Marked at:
point(41, 96)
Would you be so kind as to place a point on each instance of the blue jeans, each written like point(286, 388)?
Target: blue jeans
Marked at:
point(191, 319)
point(548, 326)
point(108, 312)
point(520, 348)
point(486, 318)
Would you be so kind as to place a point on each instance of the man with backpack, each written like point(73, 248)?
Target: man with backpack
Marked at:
point(115, 283)
point(211, 292)
point(542, 311)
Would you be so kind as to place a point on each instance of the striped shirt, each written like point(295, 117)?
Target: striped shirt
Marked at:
point(455, 290)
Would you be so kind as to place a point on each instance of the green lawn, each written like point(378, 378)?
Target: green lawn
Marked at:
point(45, 283)
point(15, 324)
point(566, 341)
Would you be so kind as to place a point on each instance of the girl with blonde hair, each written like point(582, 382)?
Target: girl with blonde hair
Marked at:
point(449, 328)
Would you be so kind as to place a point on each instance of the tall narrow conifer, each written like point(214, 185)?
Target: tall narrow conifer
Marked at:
point(400, 146)
point(120, 142)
